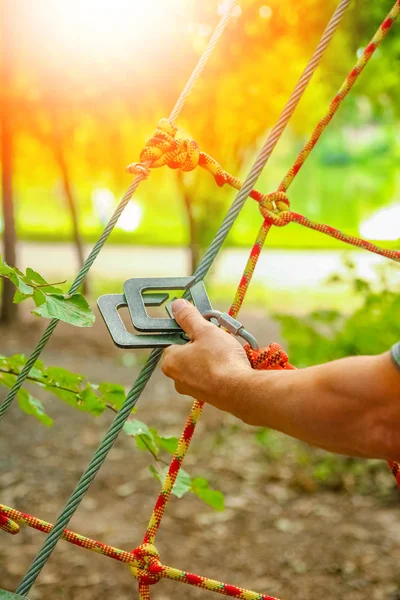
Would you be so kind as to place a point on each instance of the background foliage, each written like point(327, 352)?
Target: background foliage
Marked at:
point(75, 116)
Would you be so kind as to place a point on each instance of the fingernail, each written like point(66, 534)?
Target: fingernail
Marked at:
point(179, 304)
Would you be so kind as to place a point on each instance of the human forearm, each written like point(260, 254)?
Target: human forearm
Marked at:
point(350, 406)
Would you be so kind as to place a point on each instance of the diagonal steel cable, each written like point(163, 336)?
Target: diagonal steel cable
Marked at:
point(204, 266)
point(120, 208)
point(305, 79)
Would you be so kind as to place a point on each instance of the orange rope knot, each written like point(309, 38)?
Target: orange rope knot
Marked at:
point(164, 148)
point(271, 357)
point(148, 567)
point(274, 208)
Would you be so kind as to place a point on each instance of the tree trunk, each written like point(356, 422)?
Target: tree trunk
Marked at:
point(194, 246)
point(71, 204)
point(9, 310)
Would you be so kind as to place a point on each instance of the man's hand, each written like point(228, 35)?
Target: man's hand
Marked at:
point(350, 406)
point(211, 366)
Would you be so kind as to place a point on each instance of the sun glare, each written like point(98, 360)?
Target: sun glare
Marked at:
point(102, 27)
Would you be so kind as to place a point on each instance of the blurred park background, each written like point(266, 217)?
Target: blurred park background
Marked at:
point(83, 85)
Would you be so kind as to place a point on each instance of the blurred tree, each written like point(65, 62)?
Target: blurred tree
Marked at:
point(381, 85)
point(51, 127)
point(56, 143)
point(243, 91)
point(108, 91)
point(8, 308)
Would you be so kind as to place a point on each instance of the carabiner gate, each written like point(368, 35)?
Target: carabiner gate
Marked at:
point(233, 326)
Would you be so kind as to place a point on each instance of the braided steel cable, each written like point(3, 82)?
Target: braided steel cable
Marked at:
point(208, 259)
point(273, 138)
point(303, 82)
point(219, 30)
point(117, 213)
point(283, 218)
point(148, 369)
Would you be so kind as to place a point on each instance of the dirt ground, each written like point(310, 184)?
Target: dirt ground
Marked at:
point(274, 536)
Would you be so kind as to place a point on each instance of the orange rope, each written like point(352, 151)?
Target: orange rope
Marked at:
point(165, 148)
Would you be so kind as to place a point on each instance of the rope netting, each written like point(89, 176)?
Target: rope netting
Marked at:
point(166, 148)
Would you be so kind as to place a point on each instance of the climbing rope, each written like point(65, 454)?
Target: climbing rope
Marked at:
point(145, 374)
point(274, 208)
point(144, 561)
point(139, 177)
point(166, 149)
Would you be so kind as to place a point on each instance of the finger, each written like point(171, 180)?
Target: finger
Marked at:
point(169, 360)
point(189, 318)
point(173, 360)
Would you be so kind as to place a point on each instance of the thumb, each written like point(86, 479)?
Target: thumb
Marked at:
point(189, 318)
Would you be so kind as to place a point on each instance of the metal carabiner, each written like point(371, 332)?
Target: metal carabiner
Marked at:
point(233, 326)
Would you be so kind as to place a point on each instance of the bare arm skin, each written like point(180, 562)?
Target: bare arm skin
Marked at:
point(350, 406)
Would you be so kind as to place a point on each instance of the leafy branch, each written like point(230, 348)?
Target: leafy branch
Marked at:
point(77, 391)
point(50, 301)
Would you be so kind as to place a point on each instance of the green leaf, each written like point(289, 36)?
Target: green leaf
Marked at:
point(146, 442)
point(37, 372)
point(8, 272)
point(73, 389)
point(135, 427)
point(361, 286)
point(35, 277)
point(33, 406)
point(70, 309)
point(4, 268)
point(112, 393)
point(39, 297)
point(24, 288)
point(168, 443)
point(90, 402)
point(62, 378)
point(13, 363)
point(85, 401)
point(213, 498)
point(142, 434)
point(156, 474)
point(7, 379)
point(183, 484)
point(17, 277)
point(19, 297)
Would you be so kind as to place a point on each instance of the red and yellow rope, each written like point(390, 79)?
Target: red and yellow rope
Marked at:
point(165, 148)
point(144, 561)
point(275, 210)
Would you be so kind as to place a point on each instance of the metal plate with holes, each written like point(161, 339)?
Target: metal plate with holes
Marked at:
point(159, 332)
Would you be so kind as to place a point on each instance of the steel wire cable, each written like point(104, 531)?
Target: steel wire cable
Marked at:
point(145, 374)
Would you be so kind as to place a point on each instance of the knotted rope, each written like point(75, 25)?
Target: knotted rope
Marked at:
point(148, 568)
point(145, 374)
point(144, 561)
point(115, 428)
point(166, 148)
point(271, 357)
point(275, 209)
